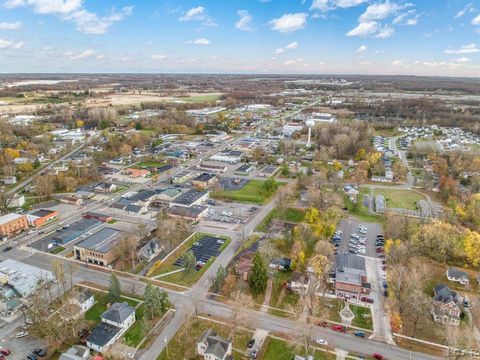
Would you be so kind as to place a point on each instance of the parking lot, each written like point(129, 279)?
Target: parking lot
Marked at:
point(204, 249)
point(350, 227)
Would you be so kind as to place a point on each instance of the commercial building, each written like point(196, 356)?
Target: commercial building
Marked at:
point(351, 276)
point(182, 177)
point(98, 248)
point(193, 212)
point(97, 216)
point(12, 224)
point(41, 217)
point(190, 198)
point(23, 278)
point(204, 180)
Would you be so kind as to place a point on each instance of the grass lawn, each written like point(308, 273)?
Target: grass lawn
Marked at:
point(101, 301)
point(201, 98)
point(150, 164)
point(57, 250)
point(179, 277)
point(275, 349)
point(359, 320)
point(400, 199)
point(138, 330)
point(280, 297)
point(250, 193)
point(291, 215)
point(361, 212)
point(182, 345)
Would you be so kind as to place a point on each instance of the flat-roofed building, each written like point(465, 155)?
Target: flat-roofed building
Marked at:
point(23, 278)
point(190, 198)
point(204, 180)
point(41, 217)
point(98, 248)
point(12, 224)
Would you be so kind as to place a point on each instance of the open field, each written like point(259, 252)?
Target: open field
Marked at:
point(293, 215)
point(275, 349)
point(137, 99)
point(400, 199)
point(252, 192)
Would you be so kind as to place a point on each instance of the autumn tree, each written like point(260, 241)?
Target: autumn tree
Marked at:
point(471, 243)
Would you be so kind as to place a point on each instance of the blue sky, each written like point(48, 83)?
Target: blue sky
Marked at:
point(241, 36)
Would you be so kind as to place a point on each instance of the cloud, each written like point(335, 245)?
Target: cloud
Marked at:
point(201, 41)
point(406, 18)
point(244, 23)
point(327, 5)
point(463, 60)
point(465, 49)
point(380, 11)
point(398, 62)
point(467, 9)
point(288, 23)
point(292, 45)
point(198, 13)
point(292, 62)
point(86, 54)
point(158, 57)
point(476, 20)
point(73, 10)
point(11, 25)
point(279, 51)
point(362, 49)
point(372, 28)
point(9, 44)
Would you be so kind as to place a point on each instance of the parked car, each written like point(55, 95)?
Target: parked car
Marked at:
point(322, 323)
point(251, 343)
point(32, 357)
point(339, 328)
point(40, 352)
point(359, 333)
point(254, 354)
point(5, 351)
point(7, 248)
point(377, 356)
point(21, 334)
point(322, 342)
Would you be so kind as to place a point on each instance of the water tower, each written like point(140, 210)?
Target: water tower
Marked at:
point(310, 123)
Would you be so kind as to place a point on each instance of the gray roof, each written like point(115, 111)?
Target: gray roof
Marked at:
point(457, 274)
point(379, 203)
point(189, 197)
point(443, 294)
point(204, 177)
point(189, 212)
point(118, 312)
point(24, 278)
point(142, 195)
point(76, 352)
point(102, 334)
point(349, 261)
point(102, 241)
point(215, 344)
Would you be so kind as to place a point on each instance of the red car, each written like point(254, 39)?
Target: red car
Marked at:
point(4, 351)
point(338, 328)
point(380, 250)
point(378, 357)
point(322, 323)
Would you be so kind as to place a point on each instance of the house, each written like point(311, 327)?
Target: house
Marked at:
point(150, 250)
point(115, 322)
point(445, 308)
point(350, 276)
point(17, 201)
point(12, 224)
point(457, 276)
point(39, 218)
point(84, 300)
point(76, 352)
point(298, 282)
point(213, 347)
point(105, 187)
point(9, 180)
point(282, 264)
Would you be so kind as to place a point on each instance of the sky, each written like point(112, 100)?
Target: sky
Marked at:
point(412, 37)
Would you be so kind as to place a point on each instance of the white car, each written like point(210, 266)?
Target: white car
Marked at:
point(322, 342)
point(384, 276)
point(21, 334)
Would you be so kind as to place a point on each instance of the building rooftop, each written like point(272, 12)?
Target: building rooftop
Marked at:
point(9, 217)
point(24, 278)
point(42, 212)
point(102, 334)
point(204, 177)
point(190, 197)
point(142, 195)
point(191, 212)
point(102, 241)
point(118, 312)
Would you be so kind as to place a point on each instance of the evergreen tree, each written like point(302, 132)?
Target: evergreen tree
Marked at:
point(155, 301)
point(114, 291)
point(258, 276)
point(219, 278)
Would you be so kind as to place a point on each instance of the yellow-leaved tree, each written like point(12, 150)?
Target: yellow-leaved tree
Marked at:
point(471, 243)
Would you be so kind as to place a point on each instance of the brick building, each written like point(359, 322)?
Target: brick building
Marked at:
point(12, 224)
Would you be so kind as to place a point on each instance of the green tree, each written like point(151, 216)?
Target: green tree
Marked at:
point(258, 276)
point(114, 290)
point(189, 263)
point(155, 301)
point(219, 278)
point(269, 186)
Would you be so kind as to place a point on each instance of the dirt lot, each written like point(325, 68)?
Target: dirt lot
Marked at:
point(135, 99)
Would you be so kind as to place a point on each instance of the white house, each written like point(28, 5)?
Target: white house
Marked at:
point(84, 300)
point(115, 322)
point(298, 282)
point(457, 276)
point(213, 347)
